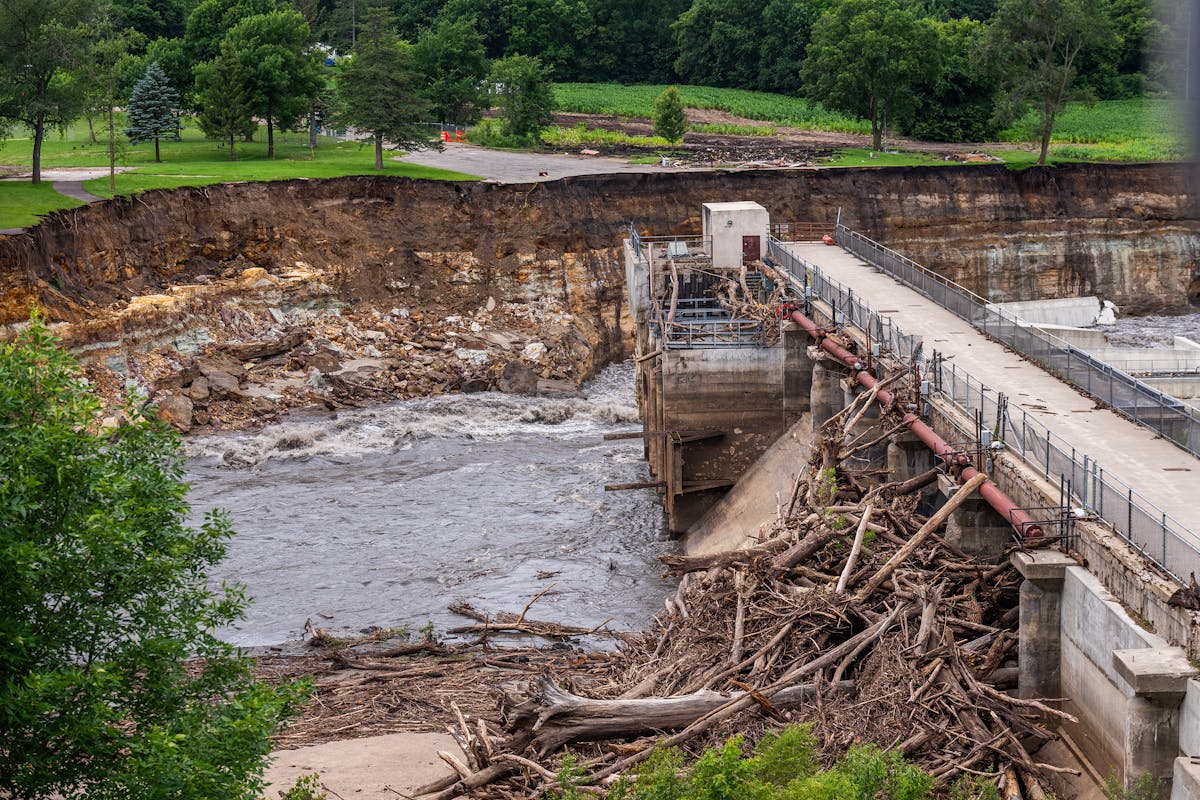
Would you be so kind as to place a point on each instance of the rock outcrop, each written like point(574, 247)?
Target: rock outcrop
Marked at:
point(446, 282)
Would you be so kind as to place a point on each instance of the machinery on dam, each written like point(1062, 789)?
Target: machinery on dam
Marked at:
point(751, 334)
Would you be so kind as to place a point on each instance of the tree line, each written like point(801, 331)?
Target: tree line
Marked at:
point(237, 64)
point(954, 70)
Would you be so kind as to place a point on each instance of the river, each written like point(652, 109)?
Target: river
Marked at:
point(383, 516)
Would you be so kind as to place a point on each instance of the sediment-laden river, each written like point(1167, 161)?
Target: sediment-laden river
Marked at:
point(384, 516)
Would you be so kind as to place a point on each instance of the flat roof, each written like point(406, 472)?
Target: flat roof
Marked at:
point(739, 205)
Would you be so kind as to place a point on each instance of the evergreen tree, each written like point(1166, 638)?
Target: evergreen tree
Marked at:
point(669, 119)
point(224, 99)
point(380, 90)
point(152, 110)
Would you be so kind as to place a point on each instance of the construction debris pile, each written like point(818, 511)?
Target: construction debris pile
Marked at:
point(852, 613)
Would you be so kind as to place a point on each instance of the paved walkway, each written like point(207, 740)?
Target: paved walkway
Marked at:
point(509, 167)
point(67, 181)
point(1166, 475)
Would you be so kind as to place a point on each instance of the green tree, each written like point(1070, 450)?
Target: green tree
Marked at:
point(109, 53)
point(786, 28)
point(632, 43)
point(718, 43)
point(211, 21)
point(380, 91)
point(152, 18)
point(224, 99)
point(669, 120)
point(282, 72)
point(453, 64)
point(112, 683)
point(866, 58)
point(551, 31)
point(43, 43)
point(152, 109)
point(1033, 48)
point(172, 58)
point(522, 89)
point(957, 104)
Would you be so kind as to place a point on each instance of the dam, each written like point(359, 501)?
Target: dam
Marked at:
point(732, 399)
point(368, 290)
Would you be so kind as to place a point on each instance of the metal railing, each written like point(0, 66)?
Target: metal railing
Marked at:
point(799, 231)
point(846, 308)
point(1084, 484)
point(1167, 416)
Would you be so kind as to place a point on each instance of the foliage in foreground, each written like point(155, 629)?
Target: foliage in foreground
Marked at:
point(784, 766)
point(112, 683)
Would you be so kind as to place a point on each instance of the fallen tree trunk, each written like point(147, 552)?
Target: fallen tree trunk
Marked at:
point(557, 717)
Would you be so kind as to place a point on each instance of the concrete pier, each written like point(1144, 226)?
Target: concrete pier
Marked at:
point(975, 527)
point(826, 396)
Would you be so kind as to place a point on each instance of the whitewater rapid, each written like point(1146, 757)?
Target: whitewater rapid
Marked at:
point(382, 517)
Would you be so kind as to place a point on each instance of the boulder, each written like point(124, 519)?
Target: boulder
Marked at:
point(322, 360)
point(473, 385)
point(199, 390)
point(518, 378)
point(560, 390)
point(534, 351)
point(222, 383)
point(176, 410)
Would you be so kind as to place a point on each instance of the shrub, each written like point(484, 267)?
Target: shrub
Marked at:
point(112, 683)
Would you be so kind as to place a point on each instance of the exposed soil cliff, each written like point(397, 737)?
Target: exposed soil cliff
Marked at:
point(373, 267)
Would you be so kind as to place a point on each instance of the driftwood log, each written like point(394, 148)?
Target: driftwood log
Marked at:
point(851, 613)
point(556, 717)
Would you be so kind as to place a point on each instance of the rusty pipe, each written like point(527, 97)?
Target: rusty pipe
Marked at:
point(957, 464)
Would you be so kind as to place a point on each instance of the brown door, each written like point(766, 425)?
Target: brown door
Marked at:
point(750, 249)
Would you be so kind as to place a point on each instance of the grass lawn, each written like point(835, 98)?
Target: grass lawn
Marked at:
point(193, 161)
point(22, 204)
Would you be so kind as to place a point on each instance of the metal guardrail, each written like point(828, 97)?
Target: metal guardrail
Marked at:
point(799, 231)
point(1167, 416)
point(1162, 539)
point(847, 309)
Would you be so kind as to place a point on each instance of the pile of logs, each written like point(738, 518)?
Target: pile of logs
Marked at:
point(852, 614)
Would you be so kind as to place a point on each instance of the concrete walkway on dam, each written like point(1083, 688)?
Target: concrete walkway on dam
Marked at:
point(1163, 473)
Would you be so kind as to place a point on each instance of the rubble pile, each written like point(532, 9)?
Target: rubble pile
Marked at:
point(247, 361)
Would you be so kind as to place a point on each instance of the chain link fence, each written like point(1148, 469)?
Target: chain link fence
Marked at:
point(1084, 486)
point(1171, 418)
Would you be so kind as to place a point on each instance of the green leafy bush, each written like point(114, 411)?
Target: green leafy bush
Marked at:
point(112, 682)
point(784, 767)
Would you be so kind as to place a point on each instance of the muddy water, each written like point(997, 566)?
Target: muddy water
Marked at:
point(1152, 331)
point(383, 516)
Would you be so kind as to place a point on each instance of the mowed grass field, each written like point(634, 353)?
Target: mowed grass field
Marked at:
point(192, 161)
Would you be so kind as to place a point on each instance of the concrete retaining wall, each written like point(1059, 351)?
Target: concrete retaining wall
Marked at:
point(742, 514)
point(1093, 626)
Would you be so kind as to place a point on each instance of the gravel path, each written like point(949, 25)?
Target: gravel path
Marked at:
point(507, 167)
